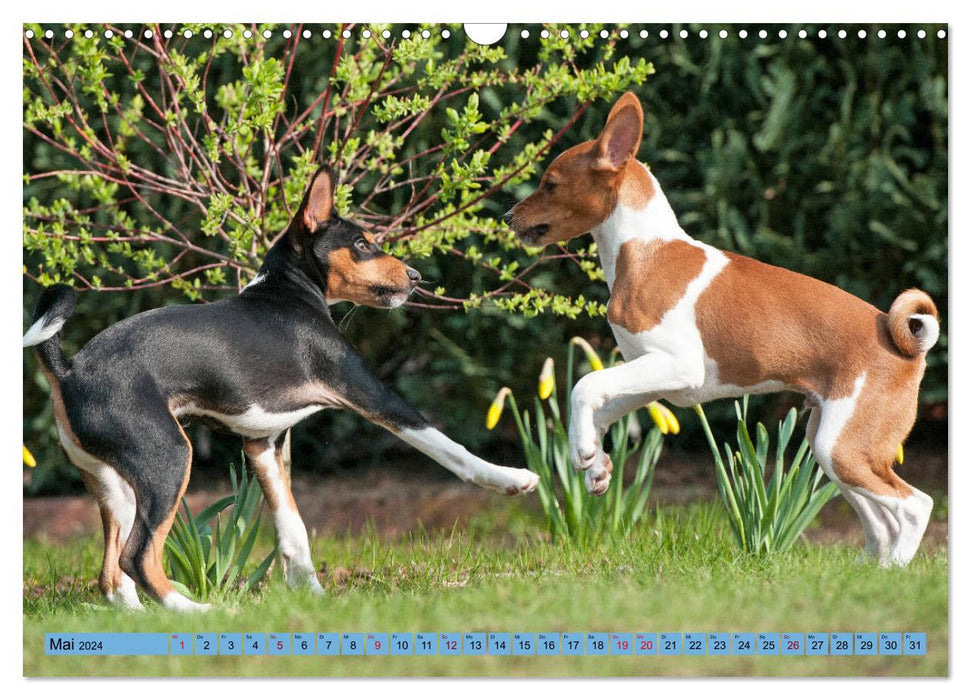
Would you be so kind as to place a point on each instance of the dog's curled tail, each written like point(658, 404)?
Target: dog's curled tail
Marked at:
point(55, 306)
point(913, 322)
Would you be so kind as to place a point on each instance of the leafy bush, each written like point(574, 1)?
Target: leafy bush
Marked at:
point(767, 517)
point(180, 160)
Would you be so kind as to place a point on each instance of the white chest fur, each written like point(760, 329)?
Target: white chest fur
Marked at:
point(676, 334)
point(677, 331)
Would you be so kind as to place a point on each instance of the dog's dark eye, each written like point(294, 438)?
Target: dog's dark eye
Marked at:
point(362, 245)
point(549, 186)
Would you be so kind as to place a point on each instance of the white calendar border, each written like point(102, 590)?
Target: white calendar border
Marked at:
point(832, 11)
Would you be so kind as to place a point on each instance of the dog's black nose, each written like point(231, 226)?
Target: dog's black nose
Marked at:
point(414, 276)
point(507, 217)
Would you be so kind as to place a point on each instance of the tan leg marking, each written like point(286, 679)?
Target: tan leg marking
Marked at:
point(864, 453)
point(111, 573)
point(255, 449)
point(157, 582)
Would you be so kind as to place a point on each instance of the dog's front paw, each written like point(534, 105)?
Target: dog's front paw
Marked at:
point(597, 477)
point(584, 456)
point(512, 481)
point(525, 481)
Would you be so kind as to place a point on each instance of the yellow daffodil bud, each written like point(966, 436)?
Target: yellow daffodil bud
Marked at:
point(592, 357)
point(29, 458)
point(900, 453)
point(663, 418)
point(546, 379)
point(674, 427)
point(495, 410)
point(657, 415)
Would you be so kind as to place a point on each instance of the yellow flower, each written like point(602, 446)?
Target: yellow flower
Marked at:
point(546, 379)
point(673, 425)
point(663, 418)
point(654, 409)
point(592, 357)
point(495, 410)
point(29, 458)
point(900, 453)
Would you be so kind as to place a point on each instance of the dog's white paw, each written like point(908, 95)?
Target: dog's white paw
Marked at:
point(314, 584)
point(302, 577)
point(179, 603)
point(585, 448)
point(584, 456)
point(125, 597)
point(526, 481)
point(125, 603)
point(514, 481)
point(597, 476)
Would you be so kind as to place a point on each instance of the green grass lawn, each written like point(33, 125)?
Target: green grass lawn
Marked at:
point(679, 572)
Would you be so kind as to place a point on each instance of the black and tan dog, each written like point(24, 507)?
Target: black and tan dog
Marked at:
point(255, 364)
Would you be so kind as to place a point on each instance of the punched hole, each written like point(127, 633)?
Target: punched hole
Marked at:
point(485, 34)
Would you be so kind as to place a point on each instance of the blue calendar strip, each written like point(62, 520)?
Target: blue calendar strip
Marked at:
point(270, 644)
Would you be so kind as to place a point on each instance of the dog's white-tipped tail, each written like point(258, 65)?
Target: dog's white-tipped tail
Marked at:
point(926, 329)
point(45, 327)
point(913, 323)
point(54, 308)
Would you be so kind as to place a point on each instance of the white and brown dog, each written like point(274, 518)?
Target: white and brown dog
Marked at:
point(696, 323)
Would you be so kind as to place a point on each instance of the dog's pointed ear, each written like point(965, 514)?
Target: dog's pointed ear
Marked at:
point(318, 203)
point(621, 137)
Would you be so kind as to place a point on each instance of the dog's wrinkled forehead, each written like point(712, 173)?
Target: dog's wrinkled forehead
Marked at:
point(337, 232)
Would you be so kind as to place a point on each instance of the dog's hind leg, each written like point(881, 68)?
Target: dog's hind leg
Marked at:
point(158, 458)
point(894, 514)
point(267, 461)
point(880, 530)
point(116, 501)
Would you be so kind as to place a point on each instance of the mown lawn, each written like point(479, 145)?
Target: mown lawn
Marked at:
point(679, 572)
